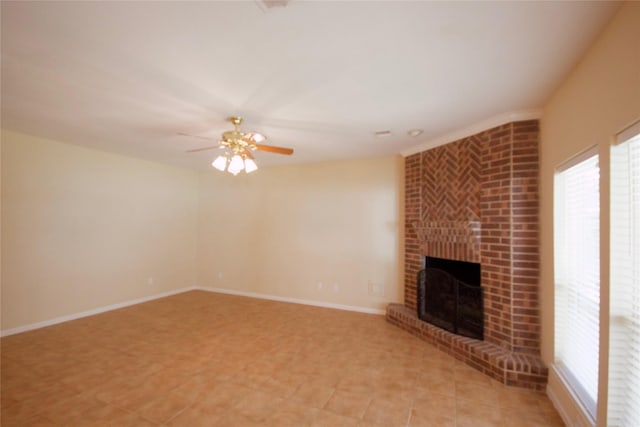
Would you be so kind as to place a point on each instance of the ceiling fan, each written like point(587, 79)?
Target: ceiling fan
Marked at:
point(237, 146)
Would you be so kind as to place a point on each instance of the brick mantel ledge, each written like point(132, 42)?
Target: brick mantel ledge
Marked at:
point(513, 369)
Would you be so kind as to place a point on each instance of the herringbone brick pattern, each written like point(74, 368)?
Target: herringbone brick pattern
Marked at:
point(451, 181)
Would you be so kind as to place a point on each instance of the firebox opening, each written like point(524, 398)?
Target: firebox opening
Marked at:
point(450, 296)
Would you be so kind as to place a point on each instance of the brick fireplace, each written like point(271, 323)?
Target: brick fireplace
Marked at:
point(476, 200)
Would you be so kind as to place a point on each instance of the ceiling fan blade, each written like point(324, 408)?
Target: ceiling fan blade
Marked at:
point(248, 154)
point(273, 149)
point(195, 136)
point(202, 149)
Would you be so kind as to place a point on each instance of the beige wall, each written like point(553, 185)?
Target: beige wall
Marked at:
point(82, 229)
point(284, 230)
point(599, 99)
point(1, 327)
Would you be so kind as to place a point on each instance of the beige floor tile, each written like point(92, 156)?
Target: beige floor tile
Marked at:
point(257, 405)
point(237, 419)
point(222, 396)
point(198, 359)
point(289, 379)
point(35, 421)
point(436, 370)
point(524, 417)
point(130, 420)
point(323, 418)
point(432, 409)
point(249, 379)
point(135, 398)
point(510, 397)
point(394, 392)
point(164, 407)
point(279, 389)
point(429, 401)
point(387, 413)
point(313, 395)
point(478, 392)
point(438, 384)
point(291, 414)
point(348, 403)
point(41, 403)
point(73, 410)
point(421, 417)
point(103, 414)
point(546, 406)
point(554, 419)
point(16, 391)
point(197, 416)
point(474, 414)
point(466, 374)
point(110, 390)
point(359, 384)
point(165, 380)
point(327, 377)
point(87, 379)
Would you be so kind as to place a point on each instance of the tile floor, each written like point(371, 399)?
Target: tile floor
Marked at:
point(206, 359)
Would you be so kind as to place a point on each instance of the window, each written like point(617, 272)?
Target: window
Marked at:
point(577, 275)
point(624, 357)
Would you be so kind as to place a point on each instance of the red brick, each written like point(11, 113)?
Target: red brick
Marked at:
point(492, 177)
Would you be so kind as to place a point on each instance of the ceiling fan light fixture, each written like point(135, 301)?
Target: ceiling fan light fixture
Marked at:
point(257, 137)
point(250, 166)
point(220, 163)
point(236, 149)
point(235, 165)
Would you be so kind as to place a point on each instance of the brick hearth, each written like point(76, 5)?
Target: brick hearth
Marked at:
point(476, 200)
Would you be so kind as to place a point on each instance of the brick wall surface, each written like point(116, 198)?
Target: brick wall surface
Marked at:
point(476, 199)
point(412, 205)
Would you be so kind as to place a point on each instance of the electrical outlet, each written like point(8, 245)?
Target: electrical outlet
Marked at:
point(376, 289)
point(150, 280)
point(320, 286)
point(336, 288)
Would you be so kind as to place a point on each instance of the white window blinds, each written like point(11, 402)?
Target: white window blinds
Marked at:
point(577, 275)
point(624, 356)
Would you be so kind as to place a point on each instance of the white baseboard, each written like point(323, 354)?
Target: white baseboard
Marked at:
point(566, 402)
point(92, 312)
point(295, 300)
point(123, 304)
point(562, 411)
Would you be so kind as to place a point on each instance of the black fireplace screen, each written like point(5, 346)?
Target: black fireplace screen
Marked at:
point(450, 296)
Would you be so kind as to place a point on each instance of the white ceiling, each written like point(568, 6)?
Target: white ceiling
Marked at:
point(318, 76)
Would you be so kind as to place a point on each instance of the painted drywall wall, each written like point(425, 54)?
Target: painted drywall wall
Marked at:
point(325, 232)
point(598, 99)
point(84, 229)
point(0, 232)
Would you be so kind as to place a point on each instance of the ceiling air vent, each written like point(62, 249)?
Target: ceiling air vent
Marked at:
point(382, 133)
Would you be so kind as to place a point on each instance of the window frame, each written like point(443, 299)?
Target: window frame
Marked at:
point(590, 405)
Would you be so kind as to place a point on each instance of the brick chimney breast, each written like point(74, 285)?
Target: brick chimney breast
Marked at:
point(476, 200)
